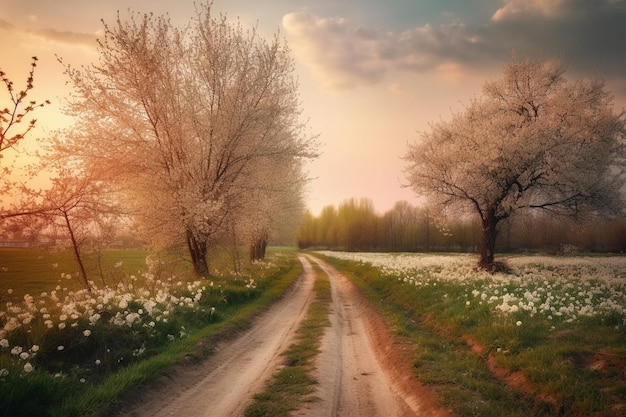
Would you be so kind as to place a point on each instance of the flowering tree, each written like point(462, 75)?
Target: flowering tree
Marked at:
point(79, 206)
point(15, 123)
point(182, 119)
point(18, 111)
point(533, 140)
point(275, 199)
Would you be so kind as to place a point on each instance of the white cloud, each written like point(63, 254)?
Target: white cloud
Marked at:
point(399, 90)
point(49, 34)
point(4, 25)
point(66, 37)
point(343, 54)
point(515, 8)
point(338, 52)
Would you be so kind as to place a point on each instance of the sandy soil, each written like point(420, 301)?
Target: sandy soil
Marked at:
point(362, 369)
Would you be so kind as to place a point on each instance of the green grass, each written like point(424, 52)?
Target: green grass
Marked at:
point(33, 271)
point(577, 367)
point(293, 384)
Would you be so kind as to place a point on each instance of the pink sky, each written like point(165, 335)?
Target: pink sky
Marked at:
point(372, 73)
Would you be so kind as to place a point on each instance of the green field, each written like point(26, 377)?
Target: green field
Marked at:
point(33, 271)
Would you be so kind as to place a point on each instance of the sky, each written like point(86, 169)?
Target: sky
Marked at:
point(373, 74)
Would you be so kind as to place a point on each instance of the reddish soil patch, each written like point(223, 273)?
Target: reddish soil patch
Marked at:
point(602, 362)
point(609, 366)
point(395, 355)
point(515, 379)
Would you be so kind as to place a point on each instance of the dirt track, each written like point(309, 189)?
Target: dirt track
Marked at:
point(352, 380)
point(361, 369)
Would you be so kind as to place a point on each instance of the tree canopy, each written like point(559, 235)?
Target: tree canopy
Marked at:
point(533, 139)
point(186, 122)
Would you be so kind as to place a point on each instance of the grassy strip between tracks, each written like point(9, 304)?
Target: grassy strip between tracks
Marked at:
point(293, 384)
point(576, 369)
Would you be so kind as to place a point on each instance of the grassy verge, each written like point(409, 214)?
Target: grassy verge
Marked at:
point(465, 350)
point(292, 385)
point(69, 353)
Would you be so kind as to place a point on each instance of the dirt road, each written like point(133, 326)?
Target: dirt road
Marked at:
point(361, 372)
point(352, 379)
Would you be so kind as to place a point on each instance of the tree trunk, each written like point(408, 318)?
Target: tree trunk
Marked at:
point(257, 249)
point(197, 251)
point(489, 223)
point(235, 249)
point(75, 247)
point(427, 230)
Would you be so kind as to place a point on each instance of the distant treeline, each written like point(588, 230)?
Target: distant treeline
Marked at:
point(355, 226)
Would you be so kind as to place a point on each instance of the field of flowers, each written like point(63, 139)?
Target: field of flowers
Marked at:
point(74, 339)
point(555, 325)
point(557, 288)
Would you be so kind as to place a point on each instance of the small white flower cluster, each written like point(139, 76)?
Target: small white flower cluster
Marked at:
point(128, 304)
point(555, 287)
point(22, 355)
point(567, 298)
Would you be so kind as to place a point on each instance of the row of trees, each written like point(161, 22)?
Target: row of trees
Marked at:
point(191, 135)
point(355, 226)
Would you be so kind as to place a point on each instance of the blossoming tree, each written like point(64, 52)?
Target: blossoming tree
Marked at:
point(532, 140)
point(274, 200)
point(80, 207)
point(16, 121)
point(18, 111)
point(181, 119)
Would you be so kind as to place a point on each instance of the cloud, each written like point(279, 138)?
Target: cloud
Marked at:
point(66, 37)
point(538, 8)
point(336, 50)
point(53, 35)
point(587, 34)
point(398, 90)
point(345, 55)
point(4, 25)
